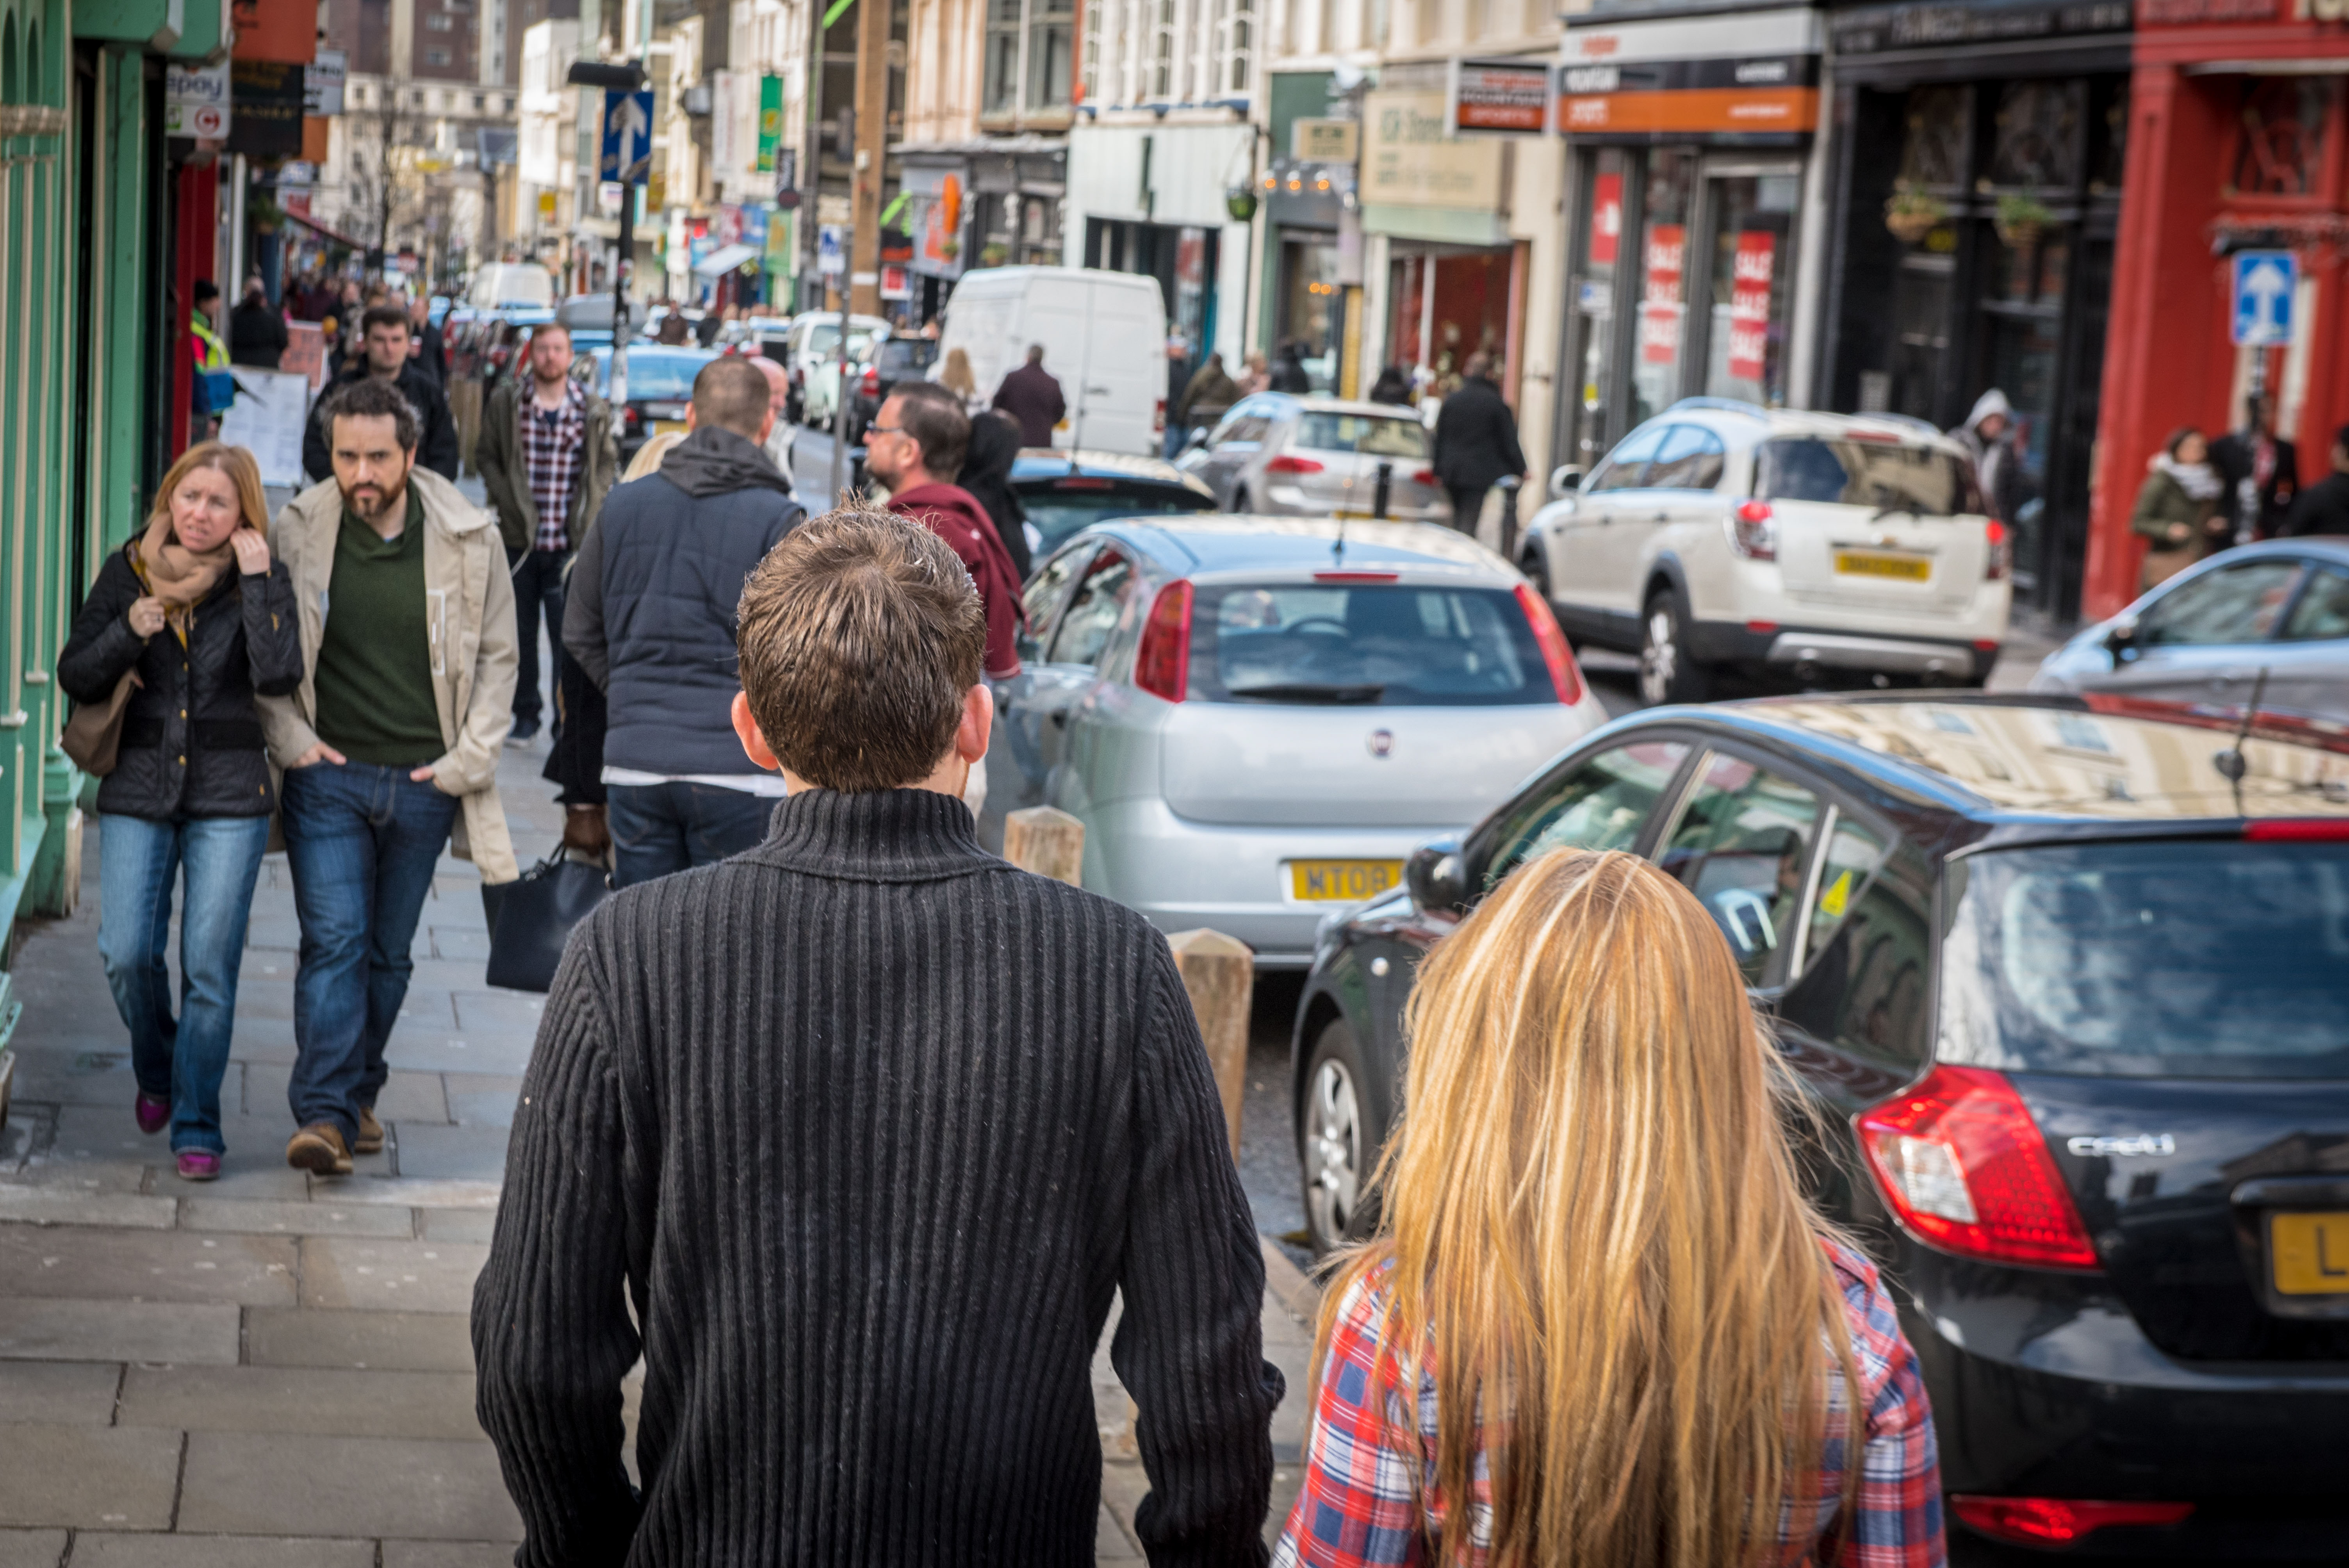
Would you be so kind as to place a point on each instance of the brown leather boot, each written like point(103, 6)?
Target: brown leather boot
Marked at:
point(371, 1137)
point(319, 1149)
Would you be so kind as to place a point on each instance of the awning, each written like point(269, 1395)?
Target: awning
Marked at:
point(724, 260)
point(323, 233)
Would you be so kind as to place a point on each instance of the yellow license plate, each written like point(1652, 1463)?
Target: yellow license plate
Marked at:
point(1868, 563)
point(2308, 1253)
point(663, 427)
point(1348, 882)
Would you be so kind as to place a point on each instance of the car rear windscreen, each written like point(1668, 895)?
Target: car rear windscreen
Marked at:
point(1375, 647)
point(900, 356)
point(1922, 480)
point(2151, 959)
point(656, 378)
point(1369, 435)
point(1056, 517)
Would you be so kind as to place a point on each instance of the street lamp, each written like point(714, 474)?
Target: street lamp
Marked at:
point(627, 76)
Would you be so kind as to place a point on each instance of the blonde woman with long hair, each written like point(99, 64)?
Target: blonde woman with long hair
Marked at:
point(1601, 1326)
point(957, 377)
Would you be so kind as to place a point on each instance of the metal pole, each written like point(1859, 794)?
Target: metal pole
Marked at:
point(620, 266)
point(1385, 486)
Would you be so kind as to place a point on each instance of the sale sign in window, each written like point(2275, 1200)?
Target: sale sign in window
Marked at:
point(1659, 293)
point(1749, 304)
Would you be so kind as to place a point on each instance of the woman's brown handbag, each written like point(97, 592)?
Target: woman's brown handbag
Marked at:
point(94, 733)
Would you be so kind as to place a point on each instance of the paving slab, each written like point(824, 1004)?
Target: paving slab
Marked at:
point(60, 1204)
point(255, 1142)
point(487, 1010)
point(397, 1277)
point(366, 1341)
point(407, 1192)
point(444, 1555)
point(248, 1176)
point(460, 941)
point(406, 1096)
point(93, 1549)
point(32, 1548)
point(67, 1330)
point(504, 1051)
point(459, 1153)
point(59, 1393)
point(259, 1484)
point(284, 1217)
point(89, 1477)
point(457, 1224)
point(483, 1099)
point(91, 1077)
point(53, 1169)
point(332, 1401)
point(88, 1262)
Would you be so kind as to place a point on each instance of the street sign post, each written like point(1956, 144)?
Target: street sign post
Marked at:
point(627, 138)
point(831, 250)
point(2265, 284)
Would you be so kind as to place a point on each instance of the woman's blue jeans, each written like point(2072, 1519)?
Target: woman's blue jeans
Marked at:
point(184, 1058)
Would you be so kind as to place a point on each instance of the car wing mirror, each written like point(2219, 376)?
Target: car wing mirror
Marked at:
point(1196, 439)
point(1565, 479)
point(2120, 637)
point(1437, 876)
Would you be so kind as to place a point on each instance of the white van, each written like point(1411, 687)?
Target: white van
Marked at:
point(1104, 337)
point(514, 285)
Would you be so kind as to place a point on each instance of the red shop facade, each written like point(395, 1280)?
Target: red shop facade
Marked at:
point(2238, 139)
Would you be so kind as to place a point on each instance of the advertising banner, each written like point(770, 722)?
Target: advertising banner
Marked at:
point(1508, 98)
point(771, 121)
point(1660, 296)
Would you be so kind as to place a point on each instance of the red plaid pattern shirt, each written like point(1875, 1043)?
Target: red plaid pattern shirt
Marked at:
point(553, 444)
point(1359, 1505)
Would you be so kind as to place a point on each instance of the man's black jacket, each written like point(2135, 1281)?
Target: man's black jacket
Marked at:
point(436, 440)
point(1476, 438)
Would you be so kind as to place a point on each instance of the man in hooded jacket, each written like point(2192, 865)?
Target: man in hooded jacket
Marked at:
point(651, 619)
point(1988, 435)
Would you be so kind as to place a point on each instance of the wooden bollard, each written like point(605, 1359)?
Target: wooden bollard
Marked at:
point(1219, 971)
point(1047, 840)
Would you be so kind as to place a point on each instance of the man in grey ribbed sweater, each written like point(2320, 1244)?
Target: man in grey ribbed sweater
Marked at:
point(868, 1126)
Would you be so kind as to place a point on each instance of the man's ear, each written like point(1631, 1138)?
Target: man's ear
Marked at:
point(768, 428)
point(977, 723)
point(754, 745)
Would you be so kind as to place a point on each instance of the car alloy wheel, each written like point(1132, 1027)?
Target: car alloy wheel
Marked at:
point(1666, 672)
point(1333, 1154)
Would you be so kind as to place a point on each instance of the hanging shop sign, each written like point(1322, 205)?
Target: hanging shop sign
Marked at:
point(771, 121)
point(1497, 98)
point(268, 96)
point(322, 83)
point(1325, 140)
point(195, 101)
point(1746, 74)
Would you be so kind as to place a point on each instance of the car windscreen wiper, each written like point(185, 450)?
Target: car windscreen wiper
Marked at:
point(1308, 691)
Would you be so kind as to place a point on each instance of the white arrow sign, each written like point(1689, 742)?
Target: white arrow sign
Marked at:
point(2264, 283)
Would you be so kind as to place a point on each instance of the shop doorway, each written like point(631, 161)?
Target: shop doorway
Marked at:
point(1448, 304)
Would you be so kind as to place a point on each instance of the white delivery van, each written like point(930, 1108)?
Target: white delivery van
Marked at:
point(1104, 337)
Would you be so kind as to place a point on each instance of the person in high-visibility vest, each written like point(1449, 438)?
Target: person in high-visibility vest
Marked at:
point(211, 353)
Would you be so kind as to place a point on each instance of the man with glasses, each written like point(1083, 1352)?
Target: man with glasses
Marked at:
point(915, 446)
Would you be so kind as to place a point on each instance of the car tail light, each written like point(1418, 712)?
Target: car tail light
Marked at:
point(2297, 831)
point(1564, 674)
point(1286, 464)
point(632, 414)
point(2057, 1521)
point(1964, 1167)
point(869, 384)
point(1753, 530)
point(2002, 551)
point(1358, 576)
point(1423, 477)
point(1158, 418)
point(1162, 666)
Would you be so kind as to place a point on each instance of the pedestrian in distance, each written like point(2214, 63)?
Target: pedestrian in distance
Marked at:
point(1476, 443)
point(1988, 437)
point(987, 476)
point(1393, 386)
point(390, 745)
point(1289, 372)
point(2180, 508)
point(426, 349)
point(547, 454)
point(673, 331)
point(208, 351)
point(778, 443)
point(976, 1104)
point(384, 357)
point(955, 377)
point(919, 439)
point(194, 610)
point(2323, 507)
point(651, 619)
point(1209, 393)
point(256, 329)
point(1257, 376)
point(1032, 397)
point(2261, 470)
point(1570, 1342)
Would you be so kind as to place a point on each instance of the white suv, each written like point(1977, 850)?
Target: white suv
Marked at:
point(1719, 534)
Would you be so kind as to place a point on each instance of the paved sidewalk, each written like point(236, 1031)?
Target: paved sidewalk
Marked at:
point(271, 1369)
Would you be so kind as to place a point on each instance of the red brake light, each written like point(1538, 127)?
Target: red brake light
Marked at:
point(1423, 477)
point(2057, 1521)
point(1564, 674)
point(2297, 831)
point(870, 384)
point(1158, 418)
point(1285, 464)
point(1083, 482)
point(1162, 665)
point(1357, 576)
point(632, 415)
point(1753, 530)
point(1870, 435)
point(1965, 1169)
point(2002, 551)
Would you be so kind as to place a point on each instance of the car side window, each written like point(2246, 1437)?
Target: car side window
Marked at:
point(2322, 612)
point(2234, 604)
point(1051, 586)
point(1740, 845)
point(1093, 613)
point(1691, 458)
point(1601, 805)
point(1868, 950)
point(1242, 428)
point(1626, 467)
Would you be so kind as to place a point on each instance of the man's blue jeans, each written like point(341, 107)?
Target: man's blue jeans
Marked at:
point(363, 841)
point(181, 1059)
point(657, 829)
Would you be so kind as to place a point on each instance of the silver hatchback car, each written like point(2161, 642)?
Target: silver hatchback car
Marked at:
point(1259, 719)
point(1319, 457)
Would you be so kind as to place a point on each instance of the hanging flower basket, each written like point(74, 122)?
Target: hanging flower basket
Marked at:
point(2019, 219)
point(1911, 214)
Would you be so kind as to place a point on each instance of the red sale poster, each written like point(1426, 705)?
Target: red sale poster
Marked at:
point(1748, 305)
point(1606, 219)
point(1659, 301)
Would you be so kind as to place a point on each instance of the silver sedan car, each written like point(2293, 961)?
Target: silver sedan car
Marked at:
point(2278, 609)
point(1292, 456)
point(1259, 719)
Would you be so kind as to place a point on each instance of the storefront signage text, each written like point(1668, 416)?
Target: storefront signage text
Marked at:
point(1410, 162)
point(1879, 28)
point(1749, 304)
point(1660, 306)
point(1764, 93)
point(2187, 13)
point(1325, 140)
point(1503, 97)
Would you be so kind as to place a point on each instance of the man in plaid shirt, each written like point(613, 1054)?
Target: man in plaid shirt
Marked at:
point(547, 455)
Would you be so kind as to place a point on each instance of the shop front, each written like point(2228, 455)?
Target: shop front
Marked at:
point(1152, 195)
point(2238, 144)
point(1692, 144)
point(1307, 205)
point(1979, 155)
point(938, 219)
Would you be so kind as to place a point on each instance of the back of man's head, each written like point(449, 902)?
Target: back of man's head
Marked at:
point(730, 394)
point(1035, 354)
point(934, 418)
point(860, 635)
point(1480, 366)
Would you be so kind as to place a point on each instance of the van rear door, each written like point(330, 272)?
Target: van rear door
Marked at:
point(1117, 404)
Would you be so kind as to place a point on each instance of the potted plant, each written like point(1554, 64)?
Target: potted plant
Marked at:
point(2021, 216)
point(1911, 214)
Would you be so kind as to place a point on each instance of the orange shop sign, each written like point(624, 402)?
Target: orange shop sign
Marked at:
point(1790, 108)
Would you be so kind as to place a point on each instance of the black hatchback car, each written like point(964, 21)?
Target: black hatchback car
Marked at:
point(2071, 979)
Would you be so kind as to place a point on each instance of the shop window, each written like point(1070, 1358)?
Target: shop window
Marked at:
point(2108, 139)
point(1310, 305)
point(1663, 281)
point(2281, 151)
point(2036, 135)
point(1753, 274)
point(1593, 353)
point(1002, 96)
point(1940, 124)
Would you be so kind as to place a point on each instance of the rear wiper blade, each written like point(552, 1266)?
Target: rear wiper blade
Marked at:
point(1897, 508)
point(1310, 691)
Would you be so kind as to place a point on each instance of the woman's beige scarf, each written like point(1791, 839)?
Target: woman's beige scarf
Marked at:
point(179, 576)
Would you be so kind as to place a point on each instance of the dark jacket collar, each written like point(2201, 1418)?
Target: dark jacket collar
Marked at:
point(880, 836)
point(713, 461)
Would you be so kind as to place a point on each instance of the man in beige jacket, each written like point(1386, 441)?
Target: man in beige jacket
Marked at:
point(390, 745)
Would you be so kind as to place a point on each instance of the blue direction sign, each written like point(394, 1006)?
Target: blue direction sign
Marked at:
point(627, 138)
point(2265, 281)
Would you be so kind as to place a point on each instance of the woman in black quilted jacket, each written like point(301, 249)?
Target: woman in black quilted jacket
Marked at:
point(196, 614)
